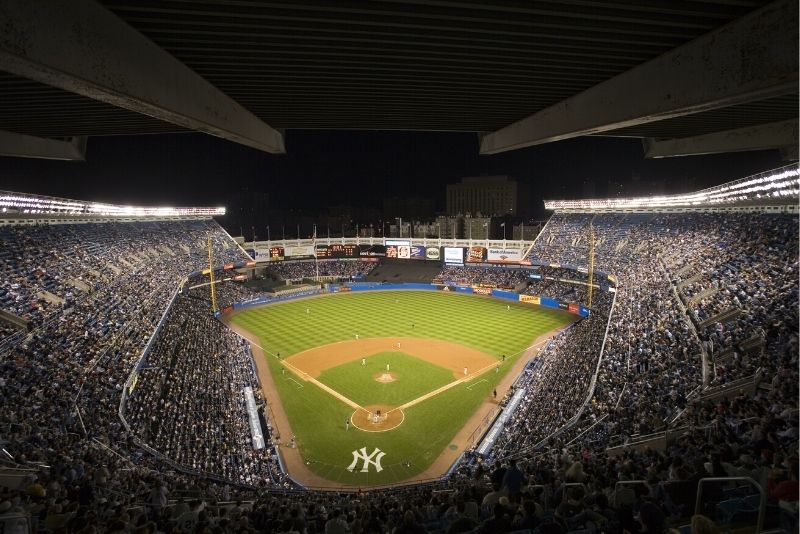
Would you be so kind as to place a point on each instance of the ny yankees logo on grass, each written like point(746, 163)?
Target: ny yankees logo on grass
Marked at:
point(367, 459)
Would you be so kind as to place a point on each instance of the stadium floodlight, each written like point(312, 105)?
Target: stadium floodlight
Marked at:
point(782, 183)
point(38, 204)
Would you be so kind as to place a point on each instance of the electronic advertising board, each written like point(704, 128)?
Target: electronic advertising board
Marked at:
point(297, 253)
point(476, 254)
point(412, 252)
point(372, 251)
point(454, 255)
point(503, 255)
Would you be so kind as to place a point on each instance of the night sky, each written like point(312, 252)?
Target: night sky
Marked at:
point(358, 168)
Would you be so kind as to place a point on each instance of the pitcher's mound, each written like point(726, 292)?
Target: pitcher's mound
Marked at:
point(377, 418)
point(385, 377)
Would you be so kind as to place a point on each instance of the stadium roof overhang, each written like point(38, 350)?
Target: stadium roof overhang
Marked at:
point(519, 73)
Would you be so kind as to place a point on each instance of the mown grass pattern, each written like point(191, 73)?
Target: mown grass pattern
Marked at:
point(493, 326)
point(415, 377)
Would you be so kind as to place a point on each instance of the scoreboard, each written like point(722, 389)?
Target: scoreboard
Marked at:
point(276, 254)
point(338, 250)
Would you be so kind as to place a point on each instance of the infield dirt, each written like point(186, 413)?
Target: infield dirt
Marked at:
point(448, 355)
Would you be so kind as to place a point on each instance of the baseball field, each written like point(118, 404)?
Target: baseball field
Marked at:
point(377, 385)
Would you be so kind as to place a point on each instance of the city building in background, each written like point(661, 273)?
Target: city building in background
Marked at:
point(486, 196)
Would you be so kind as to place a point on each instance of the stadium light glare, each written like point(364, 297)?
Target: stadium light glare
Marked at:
point(778, 184)
point(26, 203)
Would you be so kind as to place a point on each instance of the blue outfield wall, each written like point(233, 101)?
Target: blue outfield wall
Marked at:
point(503, 294)
point(376, 286)
point(547, 302)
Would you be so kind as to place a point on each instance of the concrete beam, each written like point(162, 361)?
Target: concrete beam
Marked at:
point(752, 58)
point(27, 146)
point(762, 137)
point(790, 153)
point(84, 48)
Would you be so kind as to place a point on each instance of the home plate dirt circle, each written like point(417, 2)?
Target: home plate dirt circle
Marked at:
point(377, 418)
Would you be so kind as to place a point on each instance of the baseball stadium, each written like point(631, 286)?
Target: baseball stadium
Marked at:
point(626, 364)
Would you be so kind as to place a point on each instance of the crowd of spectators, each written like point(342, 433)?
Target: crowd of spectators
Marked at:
point(60, 385)
point(652, 358)
point(556, 383)
point(60, 389)
point(188, 402)
point(298, 270)
point(230, 292)
point(745, 264)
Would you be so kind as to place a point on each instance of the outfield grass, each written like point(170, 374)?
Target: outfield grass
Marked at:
point(493, 326)
point(482, 323)
point(415, 377)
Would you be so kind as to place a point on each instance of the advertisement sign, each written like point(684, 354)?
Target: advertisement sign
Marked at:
point(454, 255)
point(417, 253)
point(261, 254)
point(482, 290)
point(227, 267)
point(250, 263)
point(432, 253)
point(476, 254)
point(306, 251)
point(573, 307)
point(503, 255)
point(397, 242)
point(405, 252)
point(530, 299)
point(372, 251)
